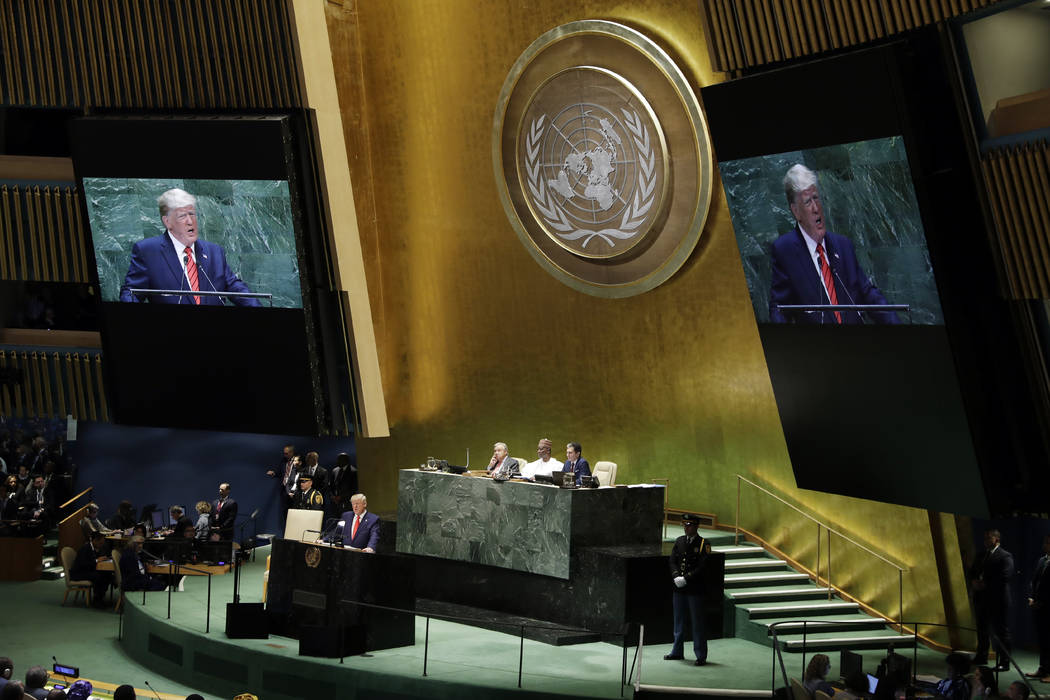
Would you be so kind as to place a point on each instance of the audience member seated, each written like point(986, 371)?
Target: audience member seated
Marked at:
point(179, 520)
point(202, 528)
point(12, 691)
point(9, 499)
point(36, 677)
point(7, 669)
point(139, 530)
point(56, 694)
point(124, 518)
point(37, 502)
point(85, 568)
point(956, 686)
point(90, 523)
point(984, 683)
point(817, 673)
point(1017, 691)
point(124, 692)
point(134, 572)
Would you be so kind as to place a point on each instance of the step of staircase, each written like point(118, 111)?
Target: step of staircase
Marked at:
point(798, 610)
point(832, 641)
point(755, 564)
point(776, 578)
point(835, 623)
point(777, 593)
point(740, 551)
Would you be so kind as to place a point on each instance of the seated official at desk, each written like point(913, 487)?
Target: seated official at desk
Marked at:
point(501, 465)
point(134, 572)
point(361, 529)
point(575, 463)
point(85, 568)
point(90, 523)
point(544, 464)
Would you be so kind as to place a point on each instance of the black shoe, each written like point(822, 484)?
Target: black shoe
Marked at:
point(700, 662)
point(672, 657)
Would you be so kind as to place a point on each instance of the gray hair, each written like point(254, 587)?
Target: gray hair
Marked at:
point(798, 178)
point(503, 445)
point(173, 199)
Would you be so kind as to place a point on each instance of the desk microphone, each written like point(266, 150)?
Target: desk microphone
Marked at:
point(845, 288)
point(152, 689)
point(56, 668)
point(201, 268)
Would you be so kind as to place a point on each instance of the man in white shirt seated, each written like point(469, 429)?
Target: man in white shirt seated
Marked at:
point(543, 465)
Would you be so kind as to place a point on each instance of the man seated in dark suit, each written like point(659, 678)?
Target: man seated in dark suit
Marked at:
point(501, 465)
point(179, 520)
point(575, 463)
point(224, 513)
point(36, 677)
point(7, 669)
point(84, 568)
point(134, 571)
point(37, 502)
point(179, 260)
point(812, 266)
point(361, 529)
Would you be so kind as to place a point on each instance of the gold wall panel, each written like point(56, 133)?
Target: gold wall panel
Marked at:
point(477, 343)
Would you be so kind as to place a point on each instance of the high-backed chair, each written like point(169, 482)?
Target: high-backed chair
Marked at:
point(821, 695)
point(68, 555)
point(798, 691)
point(118, 581)
point(606, 473)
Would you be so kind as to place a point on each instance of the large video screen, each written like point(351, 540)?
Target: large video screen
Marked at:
point(857, 202)
point(242, 232)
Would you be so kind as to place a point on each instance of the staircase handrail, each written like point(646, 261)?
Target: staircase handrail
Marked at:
point(900, 569)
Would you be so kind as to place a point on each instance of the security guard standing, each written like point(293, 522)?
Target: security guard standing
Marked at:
point(688, 559)
point(307, 497)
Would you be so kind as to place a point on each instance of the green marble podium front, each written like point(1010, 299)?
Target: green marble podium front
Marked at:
point(518, 525)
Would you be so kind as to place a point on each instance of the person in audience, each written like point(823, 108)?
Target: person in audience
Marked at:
point(544, 464)
point(13, 691)
point(90, 523)
point(817, 674)
point(179, 520)
point(202, 528)
point(124, 692)
point(134, 572)
point(36, 677)
point(362, 528)
point(7, 669)
point(955, 686)
point(308, 498)
point(139, 530)
point(56, 694)
point(575, 463)
point(224, 513)
point(85, 568)
point(194, 696)
point(9, 499)
point(36, 502)
point(1017, 691)
point(984, 683)
point(688, 560)
point(124, 518)
point(501, 464)
point(13, 486)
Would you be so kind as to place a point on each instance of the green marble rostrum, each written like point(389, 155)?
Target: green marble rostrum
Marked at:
point(250, 219)
point(868, 196)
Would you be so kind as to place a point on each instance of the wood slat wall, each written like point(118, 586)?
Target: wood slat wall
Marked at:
point(54, 385)
point(746, 34)
point(42, 234)
point(1017, 180)
point(191, 54)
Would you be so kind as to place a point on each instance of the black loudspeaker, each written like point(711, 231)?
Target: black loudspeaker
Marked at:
point(246, 621)
point(324, 641)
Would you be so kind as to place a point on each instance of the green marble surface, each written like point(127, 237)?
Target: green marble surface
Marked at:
point(868, 196)
point(517, 525)
point(250, 219)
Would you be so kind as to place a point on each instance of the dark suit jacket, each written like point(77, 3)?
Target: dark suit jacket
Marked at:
point(794, 280)
point(154, 265)
point(224, 519)
point(510, 467)
point(995, 569)
point(367, 531)
point(582, 469)
point(1039, 588)
point(84, 565)
point(689, 561)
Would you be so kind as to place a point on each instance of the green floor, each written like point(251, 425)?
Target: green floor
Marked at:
point(462, 661)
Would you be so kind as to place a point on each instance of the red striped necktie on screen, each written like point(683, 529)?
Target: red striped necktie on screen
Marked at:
point(829, 283)
point(191, 272)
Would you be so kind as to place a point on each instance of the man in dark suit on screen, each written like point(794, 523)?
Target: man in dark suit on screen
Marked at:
point(813, 266)
point(178, 259)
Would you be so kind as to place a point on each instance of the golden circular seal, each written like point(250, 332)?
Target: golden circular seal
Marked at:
point(312, 556)
point(602, 158)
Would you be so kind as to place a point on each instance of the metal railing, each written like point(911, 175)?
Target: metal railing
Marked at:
point(821, 528)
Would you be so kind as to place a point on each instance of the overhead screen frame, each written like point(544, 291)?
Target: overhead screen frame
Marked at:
point(852, 427)
point(266, 370)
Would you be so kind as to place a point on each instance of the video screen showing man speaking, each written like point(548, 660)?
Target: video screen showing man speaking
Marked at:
point(832, 226)
point(194, 242)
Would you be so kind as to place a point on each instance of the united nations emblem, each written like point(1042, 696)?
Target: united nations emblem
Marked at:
point(312, 556)
point(583, 158)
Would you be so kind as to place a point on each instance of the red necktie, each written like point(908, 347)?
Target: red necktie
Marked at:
point(191, 272)
point(829, 283)
point(357, 521)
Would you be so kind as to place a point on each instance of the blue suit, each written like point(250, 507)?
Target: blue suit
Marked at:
point(367, 531)
point(794, 280)
point(582, 469)
point(154, 265)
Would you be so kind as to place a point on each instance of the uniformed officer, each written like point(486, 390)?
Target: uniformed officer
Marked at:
point(688, 559)
point(308, 498)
